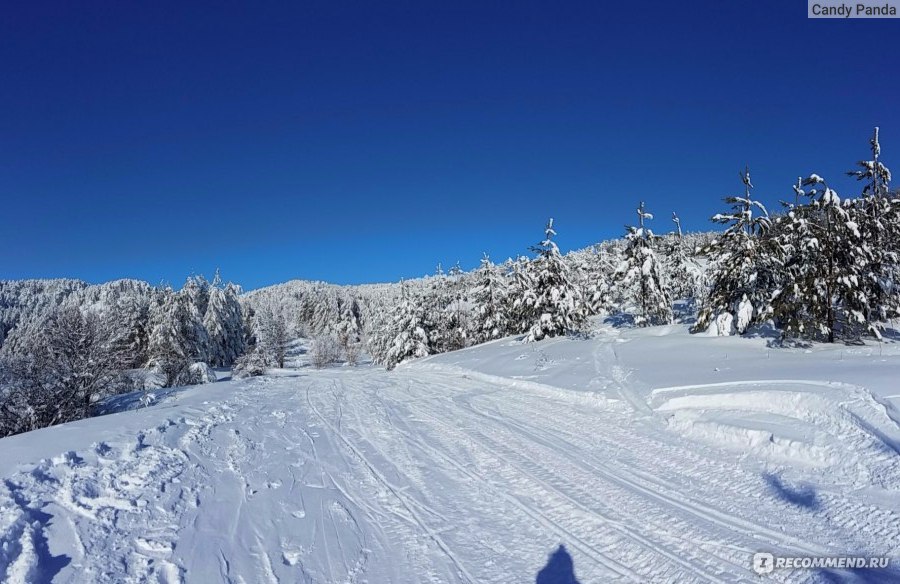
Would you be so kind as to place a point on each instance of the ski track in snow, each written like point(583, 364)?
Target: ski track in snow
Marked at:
point(432, 474)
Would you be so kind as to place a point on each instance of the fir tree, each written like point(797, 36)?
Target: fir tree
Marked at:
point(682, 272)
point(829, 270)
point(878, 217)
point(271, 333)
point(408, 332)
point(170, 351)
point(553, 301)
point(223, 324)
point(641, 273)
point(490, 296)
point(744, 271)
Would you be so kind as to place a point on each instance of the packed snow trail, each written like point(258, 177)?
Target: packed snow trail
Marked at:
point(436, 474)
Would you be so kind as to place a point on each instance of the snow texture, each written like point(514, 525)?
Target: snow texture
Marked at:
point(649, 455)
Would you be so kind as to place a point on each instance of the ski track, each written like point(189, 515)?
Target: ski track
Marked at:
point(431, 476)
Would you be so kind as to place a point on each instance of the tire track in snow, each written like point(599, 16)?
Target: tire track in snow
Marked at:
point(398, 493)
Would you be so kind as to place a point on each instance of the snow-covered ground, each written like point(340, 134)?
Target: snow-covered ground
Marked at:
point(649, 455)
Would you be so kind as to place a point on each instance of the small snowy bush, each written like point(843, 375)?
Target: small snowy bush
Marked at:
point(323, 351)
point(252, 364)
point(201, 373)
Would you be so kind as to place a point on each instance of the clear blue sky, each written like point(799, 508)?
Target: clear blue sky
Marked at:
point(367, 141)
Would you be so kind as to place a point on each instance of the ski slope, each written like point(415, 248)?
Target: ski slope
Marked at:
point(651, 456)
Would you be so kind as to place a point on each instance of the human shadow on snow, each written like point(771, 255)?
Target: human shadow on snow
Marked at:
point(802, 496)
point(560, 569)
point(889, 575)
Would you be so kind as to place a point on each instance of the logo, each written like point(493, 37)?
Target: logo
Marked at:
point(763, 563)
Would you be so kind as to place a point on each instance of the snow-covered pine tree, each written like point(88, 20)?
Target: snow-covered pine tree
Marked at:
point(490, 296)
point(435, 301)
point(195, 305)
point(828, 272)
point(788, 235)
point(553, 302)
point(641, 274)
point(520, 310)
point(408, 331)
point(878, 216)
point(684, 276)
point(744, 268)
point(170, 352)
point(271, 333)
point(196, 288)
point(348, 329)
point(447, 305)
point(597, 270)
point(130, 319)
point(223, 324)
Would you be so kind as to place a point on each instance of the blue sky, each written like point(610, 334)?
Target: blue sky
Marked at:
point(368, 141)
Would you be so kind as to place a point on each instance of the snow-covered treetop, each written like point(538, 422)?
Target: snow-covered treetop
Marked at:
point(830, 197)
point(745, 178)
point(798, 190)
point(643, 215)
point(813, 179)
point(741, 218)
point(549, 230)
point(873, 171)
point(826, 196)
point(547, 246)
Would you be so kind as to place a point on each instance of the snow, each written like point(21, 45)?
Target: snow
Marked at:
point(649, 454)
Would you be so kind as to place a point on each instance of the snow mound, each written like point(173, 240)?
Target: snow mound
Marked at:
point(834, 427)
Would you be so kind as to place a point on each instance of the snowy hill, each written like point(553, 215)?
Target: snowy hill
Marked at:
point(649, 455)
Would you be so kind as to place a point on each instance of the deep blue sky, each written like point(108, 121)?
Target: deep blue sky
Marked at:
point(353, 143)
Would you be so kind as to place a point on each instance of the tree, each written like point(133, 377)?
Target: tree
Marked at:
point(71, 363)
point(407, 332)
point(223, 324)
point(552, 301)
point(445, 306)
point(323, 351)
point(641, 274)
point(828, 270)
point(171, 347)
point(130, 319)
point(878, 217)
point(744, 270)
point(491, 298)
point(271, 336)
point(349, 331)
point(684, 276)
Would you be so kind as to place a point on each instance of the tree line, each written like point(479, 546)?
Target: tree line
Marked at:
point(821, 268)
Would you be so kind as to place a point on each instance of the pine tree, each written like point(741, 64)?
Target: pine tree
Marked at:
point(878, 217)
point(197, 288)
point(445, 305)
point(130, 318)
point(553, 301)
point(641, 273)
point(195, 335)
point(490, 296)
point(520, 309)
point(744, 270)
point(828, 272)
point(170, 351)
point(223, 324)
point(408, 332)
point(683, 275)
point(271, 336)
